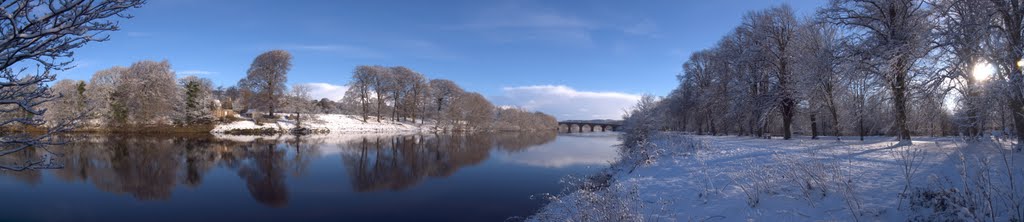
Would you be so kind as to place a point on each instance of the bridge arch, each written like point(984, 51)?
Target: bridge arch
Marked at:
point(579, 127)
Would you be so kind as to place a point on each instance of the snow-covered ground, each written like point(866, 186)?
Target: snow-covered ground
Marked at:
point(729, 178)
point(334, 123)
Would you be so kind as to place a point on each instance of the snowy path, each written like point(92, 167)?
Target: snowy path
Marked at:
point(709, 184)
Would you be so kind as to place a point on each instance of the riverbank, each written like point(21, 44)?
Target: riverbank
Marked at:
point(703, 178)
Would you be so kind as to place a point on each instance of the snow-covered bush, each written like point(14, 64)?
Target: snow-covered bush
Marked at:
point(594, 198)
point(986, 188)
point(638, 125)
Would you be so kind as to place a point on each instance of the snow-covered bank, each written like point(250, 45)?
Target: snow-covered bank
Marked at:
point(730, 178)
point(332, 123)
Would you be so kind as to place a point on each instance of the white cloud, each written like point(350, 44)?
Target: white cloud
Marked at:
point(319, 90)
point(566, 103)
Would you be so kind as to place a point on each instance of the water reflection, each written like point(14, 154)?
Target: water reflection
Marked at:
point(150, 168)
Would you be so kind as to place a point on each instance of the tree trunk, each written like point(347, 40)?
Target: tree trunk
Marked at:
point(787, 117)
point(814, 127)
point(380, 102)
point(900, 107)
point(1017, 111)
point(835, 122)
point(898, 85)
point(861, 127)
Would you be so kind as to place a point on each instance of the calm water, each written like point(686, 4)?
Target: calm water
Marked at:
point(478, 177)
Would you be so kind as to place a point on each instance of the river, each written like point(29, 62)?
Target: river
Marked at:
point(352, 177)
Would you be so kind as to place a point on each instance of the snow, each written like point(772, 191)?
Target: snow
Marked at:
point(334, 123)
point(703, 178)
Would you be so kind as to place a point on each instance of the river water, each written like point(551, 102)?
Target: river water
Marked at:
point(357, 177)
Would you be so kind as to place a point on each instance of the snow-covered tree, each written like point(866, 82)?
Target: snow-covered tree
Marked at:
point(147, 93)
point(100, 93)
point(197, 99)
point(70, 104)
point(43, 34)
point(893, 35)
point(299, 102)
point(775, 31)
point(1008, 54)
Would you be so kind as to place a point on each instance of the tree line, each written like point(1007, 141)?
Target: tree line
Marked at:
point(857, 67)
point(400, 93)
point(148, 93)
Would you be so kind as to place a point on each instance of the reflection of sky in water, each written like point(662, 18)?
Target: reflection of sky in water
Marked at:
point(566, 151)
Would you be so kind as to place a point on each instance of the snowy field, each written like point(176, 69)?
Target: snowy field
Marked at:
point(728, 178)
point(334, 123)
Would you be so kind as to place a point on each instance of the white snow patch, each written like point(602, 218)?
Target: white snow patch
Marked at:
point(335, 123)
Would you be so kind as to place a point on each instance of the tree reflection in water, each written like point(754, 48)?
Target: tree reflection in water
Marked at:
point(399, 162)
point(150, 167)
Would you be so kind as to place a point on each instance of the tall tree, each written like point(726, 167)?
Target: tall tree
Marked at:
point(147, 93)
point(197, 96)
point(442, 93)
point(1009, 57)
point(821, 67)
point(267, 78)
point(962, 35)
point(775, 30)
point(380, 79)
point(360, 89)
point(894, 34)
point(300, 102)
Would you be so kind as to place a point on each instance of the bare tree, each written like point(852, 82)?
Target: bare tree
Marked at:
point(398, 85)
point(300, 102)
point(775, 30)
point(1009, 47)
point(894, 34)
point(360, 89)
point(415, 101)
point(962, 35)
point(821, 67)
point(442, 93)
point(380, 78)
point(44, 33)
point(266, 79)
point(474, 111)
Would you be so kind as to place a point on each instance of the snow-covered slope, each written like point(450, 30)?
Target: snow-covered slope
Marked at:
point(334, 123)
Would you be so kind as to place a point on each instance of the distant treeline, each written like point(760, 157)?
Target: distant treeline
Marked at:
point(401, 93)
point(148, 93)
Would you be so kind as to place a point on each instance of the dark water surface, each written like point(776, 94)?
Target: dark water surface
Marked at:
point(361, 177)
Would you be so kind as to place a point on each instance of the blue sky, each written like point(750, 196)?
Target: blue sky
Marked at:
point(572, 59)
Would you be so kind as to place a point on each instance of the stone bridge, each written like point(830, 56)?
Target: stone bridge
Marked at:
point(585, 126)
